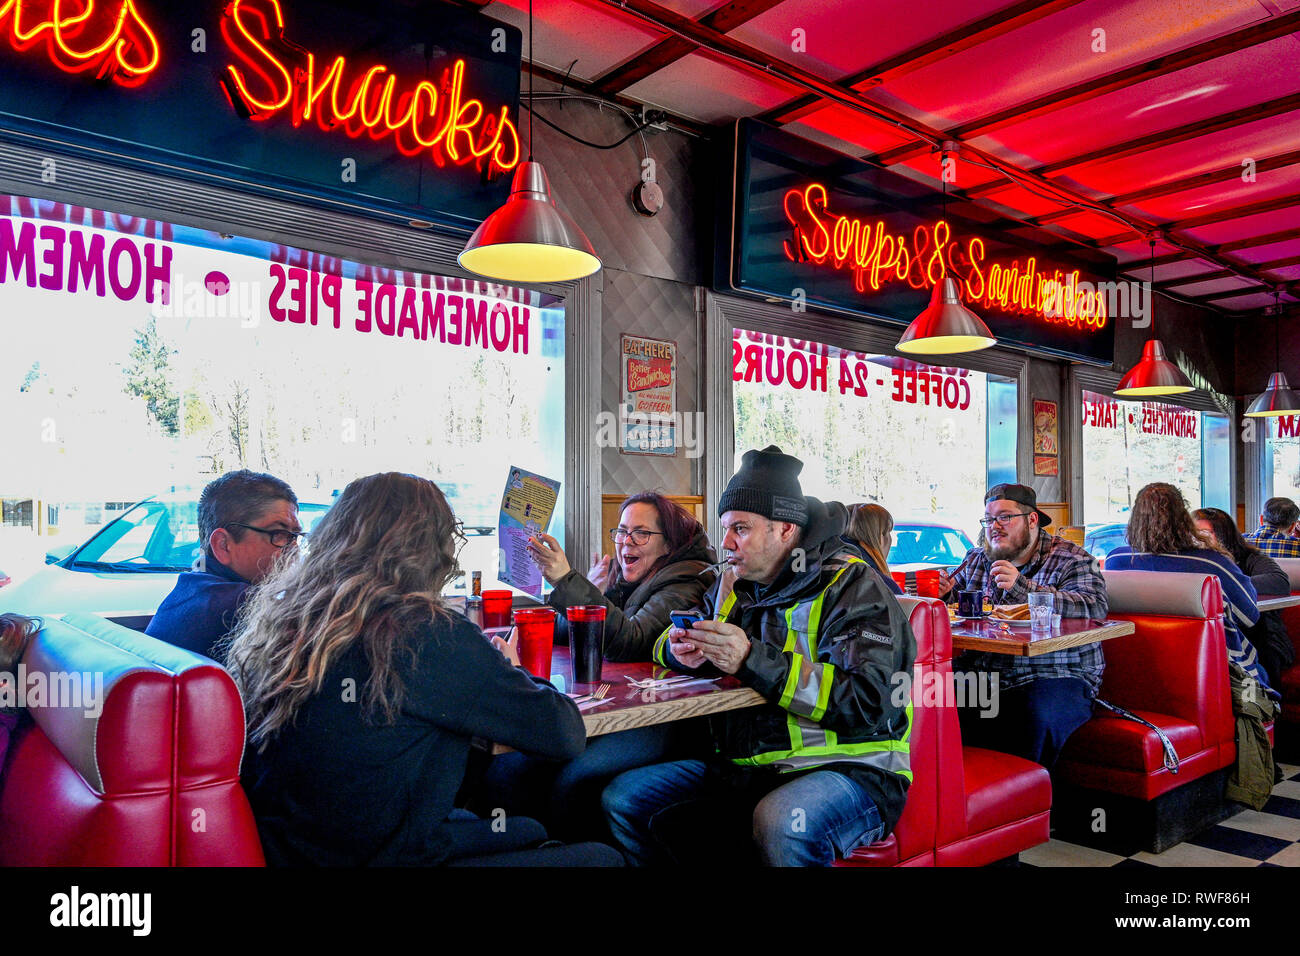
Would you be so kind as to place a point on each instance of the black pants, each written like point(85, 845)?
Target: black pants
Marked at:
point(1032, 721)
point(517, 841)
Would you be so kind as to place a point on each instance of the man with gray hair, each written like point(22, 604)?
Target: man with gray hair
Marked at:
point(245, 520)
point(1277, 537)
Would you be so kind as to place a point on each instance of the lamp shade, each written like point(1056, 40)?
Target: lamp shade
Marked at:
point(529, 239)
point(1278, 399)
point(1154, 375)
point(946, 325)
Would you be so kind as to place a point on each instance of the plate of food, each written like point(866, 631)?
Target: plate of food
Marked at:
point(1016, 615)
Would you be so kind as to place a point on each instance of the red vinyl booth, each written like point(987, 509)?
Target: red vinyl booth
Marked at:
point(1173, 672)
point(966, 806)
point(152, 779)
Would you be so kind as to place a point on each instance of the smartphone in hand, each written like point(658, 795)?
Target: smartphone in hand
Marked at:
point(685, 619)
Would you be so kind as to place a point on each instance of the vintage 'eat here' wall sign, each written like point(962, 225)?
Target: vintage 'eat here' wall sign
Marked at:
point(410, 110)
point(817, 228)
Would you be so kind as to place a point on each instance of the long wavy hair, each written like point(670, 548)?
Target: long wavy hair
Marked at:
point(678, 525)
point(1161, 524)
point(1225, 530)
point(374, 572)
point(869, 526)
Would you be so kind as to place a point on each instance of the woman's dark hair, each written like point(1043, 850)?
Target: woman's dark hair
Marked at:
point(1225, 529)
point(1161, 524)
point(678, 525)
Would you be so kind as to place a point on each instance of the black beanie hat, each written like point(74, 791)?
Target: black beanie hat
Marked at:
point(767, 484)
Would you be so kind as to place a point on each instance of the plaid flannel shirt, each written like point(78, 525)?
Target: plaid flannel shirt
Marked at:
point(1274, 543)
point(1066, 570)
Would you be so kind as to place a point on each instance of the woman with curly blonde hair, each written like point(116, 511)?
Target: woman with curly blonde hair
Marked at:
point(363, 693)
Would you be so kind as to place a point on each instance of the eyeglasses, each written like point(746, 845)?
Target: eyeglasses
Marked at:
point(639, 536)
point(279, 537)
point(1003, 520)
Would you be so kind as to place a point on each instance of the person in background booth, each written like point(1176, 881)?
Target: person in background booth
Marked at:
point(1269, 634)
point(1278, 537)
point(804, 622)
point(363, 693)
point(663, 562)
point(245, 520)
point(16, 632)
point(1162, 536)
point(1042, 700)
point(871, 531)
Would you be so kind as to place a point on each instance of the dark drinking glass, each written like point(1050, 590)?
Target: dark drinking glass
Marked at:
point(586, 641)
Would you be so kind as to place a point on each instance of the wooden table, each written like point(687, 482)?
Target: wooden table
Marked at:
point(631, 707)
point(1275, 602)
point(1022, 641)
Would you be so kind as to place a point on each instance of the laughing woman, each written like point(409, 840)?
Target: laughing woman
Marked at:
point(663, 562)
point(362, 694)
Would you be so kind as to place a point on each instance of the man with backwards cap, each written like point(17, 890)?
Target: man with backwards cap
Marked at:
point(1040, 700)
point(823, 766)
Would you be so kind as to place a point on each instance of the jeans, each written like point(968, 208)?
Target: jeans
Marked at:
point(566, 795)
point(1033, 721)
point(694, 812)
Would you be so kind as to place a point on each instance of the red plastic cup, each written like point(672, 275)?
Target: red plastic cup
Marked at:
point(900, 578)
point(586, 641)
point(927, 582)
point(496, 609)
point(536, 629)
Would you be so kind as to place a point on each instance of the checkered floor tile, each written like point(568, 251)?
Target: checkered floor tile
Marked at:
point(1268, 837)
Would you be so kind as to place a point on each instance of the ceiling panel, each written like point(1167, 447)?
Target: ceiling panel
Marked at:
point(1138, 251)
point(1233, 82)
point(1245, 228)
point(597, 37)
point(710, 90)
point(1092, 225)
point(856, 133)
point(1274, 250)
point(1213, 286)
point(1207, 199)
point(1178, 270)
point(1152, 167)
point(1022, 201)
point(1286, 274)
point(846, 38)
point(692, 8)
point(1247, 303)
point(1056, 52)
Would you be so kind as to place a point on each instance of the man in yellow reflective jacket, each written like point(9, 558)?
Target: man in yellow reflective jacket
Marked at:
point(823, 766)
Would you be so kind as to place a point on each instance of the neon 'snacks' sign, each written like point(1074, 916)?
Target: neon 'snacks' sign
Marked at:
point(277, 77)
point(877, 257)
point(274, 77)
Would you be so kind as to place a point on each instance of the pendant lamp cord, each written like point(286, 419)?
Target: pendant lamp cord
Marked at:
point(1151, 296)
point(530, 80)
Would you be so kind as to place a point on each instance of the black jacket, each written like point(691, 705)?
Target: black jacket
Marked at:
point(637, 614)
point(840, 675)
point(336, 789)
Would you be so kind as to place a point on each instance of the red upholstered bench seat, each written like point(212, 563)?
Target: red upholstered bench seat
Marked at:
point(1002, 789)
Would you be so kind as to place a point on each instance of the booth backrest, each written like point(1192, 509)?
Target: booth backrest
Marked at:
point(141, 767)
point(915, 831)
point(1176, 662)
point(1171, 593)
point(1292, 568)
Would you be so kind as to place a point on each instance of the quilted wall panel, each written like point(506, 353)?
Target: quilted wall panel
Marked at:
point(642, 305)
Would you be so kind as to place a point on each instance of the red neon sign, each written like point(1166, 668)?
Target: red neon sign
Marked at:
point(876, 256)
point(275, 76)
point(78, 39)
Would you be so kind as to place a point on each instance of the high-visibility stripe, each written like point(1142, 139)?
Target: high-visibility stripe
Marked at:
point(658, 654)
point(791, 682)
point(824, 695)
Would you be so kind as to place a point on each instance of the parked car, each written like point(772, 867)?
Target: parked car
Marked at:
point(4, 579)
point(126, 568)
point(922, 544)
point(1100, 540)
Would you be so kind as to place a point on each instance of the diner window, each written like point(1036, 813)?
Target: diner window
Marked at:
point(1127, 445)
point(923, 441)
point(146, 358)
point(1281, 462)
